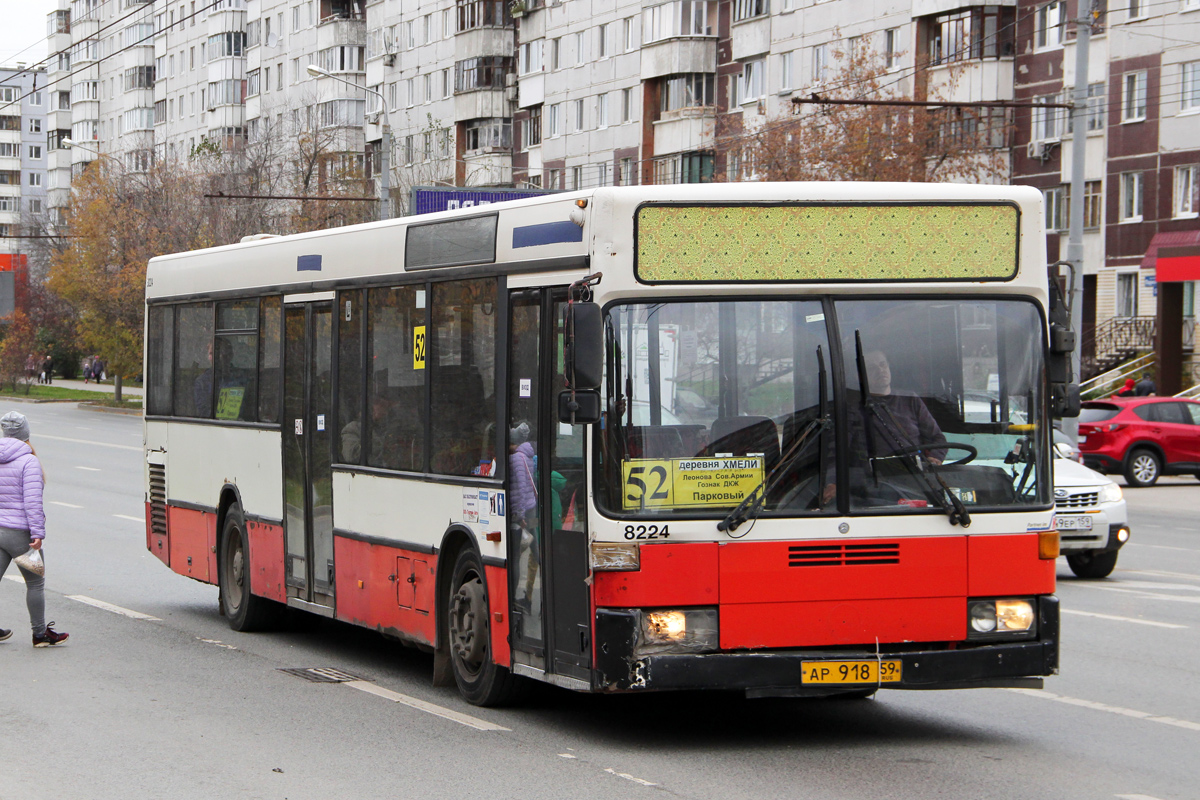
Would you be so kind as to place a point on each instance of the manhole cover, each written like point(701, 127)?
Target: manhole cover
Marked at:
point(323, 674)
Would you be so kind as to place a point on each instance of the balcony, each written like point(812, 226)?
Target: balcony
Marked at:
point(676, 56)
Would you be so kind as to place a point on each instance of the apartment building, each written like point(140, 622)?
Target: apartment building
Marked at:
point(1142, 176)
point(23, 105)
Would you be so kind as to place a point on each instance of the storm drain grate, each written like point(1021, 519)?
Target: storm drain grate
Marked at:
point(323, 674)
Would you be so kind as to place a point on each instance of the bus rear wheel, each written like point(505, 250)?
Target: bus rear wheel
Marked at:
point(244, 611)
point(480, 681)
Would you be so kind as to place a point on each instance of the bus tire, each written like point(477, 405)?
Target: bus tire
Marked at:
point(480, 681)
point(244, 611)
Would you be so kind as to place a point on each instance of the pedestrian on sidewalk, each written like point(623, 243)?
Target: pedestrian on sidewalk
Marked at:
point(87, 369)
point(23, 521)
point(48, 369)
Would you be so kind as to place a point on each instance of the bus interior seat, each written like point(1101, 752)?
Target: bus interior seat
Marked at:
point(741, 436)
point(656, 441)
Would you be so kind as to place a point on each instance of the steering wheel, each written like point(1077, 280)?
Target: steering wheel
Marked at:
point(970, 451)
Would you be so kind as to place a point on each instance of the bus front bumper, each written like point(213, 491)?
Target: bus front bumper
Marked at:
point(777, 673)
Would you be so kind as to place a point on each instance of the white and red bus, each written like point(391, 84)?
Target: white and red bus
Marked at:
point(791, 439)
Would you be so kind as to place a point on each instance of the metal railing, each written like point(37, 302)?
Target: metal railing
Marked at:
point(1106, 383)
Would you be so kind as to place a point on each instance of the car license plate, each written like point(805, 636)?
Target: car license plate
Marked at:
point(1074, 523)
point(850, 671)
point(1082, 438)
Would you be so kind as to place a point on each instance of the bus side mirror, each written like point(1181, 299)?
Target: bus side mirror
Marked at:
point(585, 346)
point(1064, 400)
point(579, 408)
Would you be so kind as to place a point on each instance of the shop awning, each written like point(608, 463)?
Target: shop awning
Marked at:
point(1174, 256)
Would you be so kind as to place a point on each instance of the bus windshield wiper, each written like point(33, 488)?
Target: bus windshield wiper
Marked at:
point(750, 507)
point(931, 482)
point(752, 504)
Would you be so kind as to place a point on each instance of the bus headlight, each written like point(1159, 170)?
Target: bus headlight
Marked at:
point(684, 630)
point(998, 618)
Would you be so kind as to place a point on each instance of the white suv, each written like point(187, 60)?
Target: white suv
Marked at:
point(1091, 518)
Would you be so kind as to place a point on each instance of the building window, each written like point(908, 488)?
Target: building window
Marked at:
point(1133, 105)
point(820, 63)
point(980, 32)
point(680, 18)
point(532, 134)
point(35, 125)
point(748, 9)
point(602, 110)
point(626, 105)
point(1137, 9)
point(751, 84)
point(684, 168)
point(578, 115)
point(687, 91)
point(35, 152)
point(554, 179)
point(1048, 122)
point(1095, 108)
point(35, 179)
point(1051, 24)
point(1187, 191)
point(602, 42)
point(485, 72)
point(602, 174)
point(576, 178)
point(785, 72)
point(1055, 204)
point(626, 177)
point(1093, 203)
point(1131, 197)
point(530, 57)
point(580, 49)
point(488, 133)
point(891, 50)
point(556, 53)
point(554, 120)
point(629, 37)
point(1127, 291)
point(483, 14)
point(1191, 86)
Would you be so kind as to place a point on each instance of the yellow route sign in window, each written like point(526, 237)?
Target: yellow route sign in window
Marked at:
point(419, 347)
point(689, 482)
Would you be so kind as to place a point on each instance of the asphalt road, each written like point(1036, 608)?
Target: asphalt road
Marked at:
point(178, 705)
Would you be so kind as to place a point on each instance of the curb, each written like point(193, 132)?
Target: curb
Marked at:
point(129, 412)
point(15, 399)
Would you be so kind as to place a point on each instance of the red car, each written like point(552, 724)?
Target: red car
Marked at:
point(1141, 437)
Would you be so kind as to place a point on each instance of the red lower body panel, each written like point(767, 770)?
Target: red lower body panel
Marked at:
point(385, 588)
point(266, 560)
point(830, 593)
point(193, 543)
point(497, 589)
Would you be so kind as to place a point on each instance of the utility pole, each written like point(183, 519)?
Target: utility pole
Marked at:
point(1079, 114)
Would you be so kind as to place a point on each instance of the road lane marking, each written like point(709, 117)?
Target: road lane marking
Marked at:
point(1121, 619)
point(89, 469)
point(1135, 797)
point(1124, 712)
point(429, 708)
point(1141, 593)
point(89, 441)
point(1184, 575)
point(1165, 547)
point(629, 777)
point(17, 578)
point(217, 642)
point(60, 503)
point(131, 519)
point(125, 612)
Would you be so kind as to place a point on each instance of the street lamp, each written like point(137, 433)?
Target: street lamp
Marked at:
point(385, 206)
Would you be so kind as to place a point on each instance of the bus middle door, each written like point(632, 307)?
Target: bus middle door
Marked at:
point(307, 477)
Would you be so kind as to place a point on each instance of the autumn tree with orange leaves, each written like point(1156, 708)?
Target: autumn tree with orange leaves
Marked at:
point(827, 142)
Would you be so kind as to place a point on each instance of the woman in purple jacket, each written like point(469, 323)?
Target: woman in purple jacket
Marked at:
point(22, 520)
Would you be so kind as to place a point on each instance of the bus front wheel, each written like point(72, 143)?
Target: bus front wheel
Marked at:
point(480, 681)
point(244, 611)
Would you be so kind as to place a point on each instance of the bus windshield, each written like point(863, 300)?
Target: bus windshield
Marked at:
point(708, 401)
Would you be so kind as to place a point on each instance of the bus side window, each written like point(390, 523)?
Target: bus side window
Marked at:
point(193, 360)
point(463, 374)
point(270, 333)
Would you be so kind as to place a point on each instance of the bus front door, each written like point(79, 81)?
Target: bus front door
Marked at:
point(547, 542)
point(307, 478)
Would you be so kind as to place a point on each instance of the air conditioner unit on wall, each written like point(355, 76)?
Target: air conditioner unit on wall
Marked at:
point(1038, 149)
point(389, 60)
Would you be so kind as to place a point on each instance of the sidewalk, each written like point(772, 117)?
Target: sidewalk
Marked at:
point(126, 391)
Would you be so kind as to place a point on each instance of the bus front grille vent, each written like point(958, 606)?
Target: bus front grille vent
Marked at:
point(843, 555)
point(158, 499)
